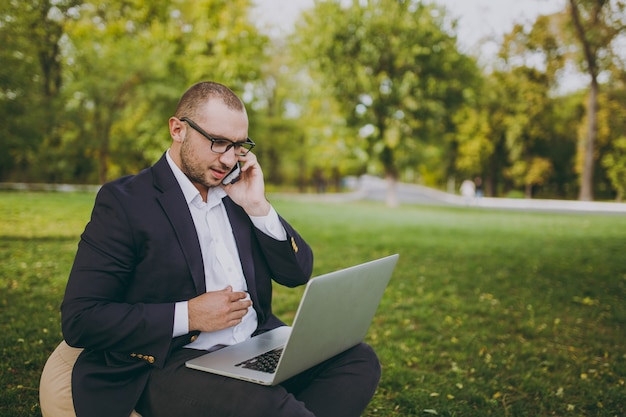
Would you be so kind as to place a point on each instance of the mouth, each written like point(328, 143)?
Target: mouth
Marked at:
point(218, 173)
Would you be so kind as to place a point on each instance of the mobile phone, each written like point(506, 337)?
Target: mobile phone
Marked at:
point(233, 175)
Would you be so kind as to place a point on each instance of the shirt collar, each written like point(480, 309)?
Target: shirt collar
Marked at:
point(189, 190)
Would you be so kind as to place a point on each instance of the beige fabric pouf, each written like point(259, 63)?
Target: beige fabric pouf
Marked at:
point(55, 386)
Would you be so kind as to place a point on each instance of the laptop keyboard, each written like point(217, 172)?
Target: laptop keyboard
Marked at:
point(265, 362)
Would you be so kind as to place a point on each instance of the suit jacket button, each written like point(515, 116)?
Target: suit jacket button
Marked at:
point(150, 359)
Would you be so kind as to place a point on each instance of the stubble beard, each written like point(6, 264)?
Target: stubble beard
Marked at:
point(192, 169)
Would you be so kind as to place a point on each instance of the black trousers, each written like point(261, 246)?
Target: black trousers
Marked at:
point(339, 387)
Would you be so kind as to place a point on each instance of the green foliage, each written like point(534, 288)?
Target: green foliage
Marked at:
point(496, 313)
point(394, 71)
point(597, 26)
point(110, 75)
point(611, 141)
point(615, 163)
point(30, 81)
point(86, 87)
point(527, 115)
point(132, 51)
point(475, 141)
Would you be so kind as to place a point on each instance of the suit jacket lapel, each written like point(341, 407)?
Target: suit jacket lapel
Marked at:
point(173, 202)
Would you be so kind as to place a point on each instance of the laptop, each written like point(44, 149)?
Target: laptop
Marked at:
point(335, 313)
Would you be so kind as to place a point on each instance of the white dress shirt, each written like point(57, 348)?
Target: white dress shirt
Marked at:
point(220, 258)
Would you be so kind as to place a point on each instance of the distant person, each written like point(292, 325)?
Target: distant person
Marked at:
point(468, 191)
point(479, 187)
point(174, 263)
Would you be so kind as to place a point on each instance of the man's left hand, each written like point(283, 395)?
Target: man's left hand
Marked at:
point(249, 191)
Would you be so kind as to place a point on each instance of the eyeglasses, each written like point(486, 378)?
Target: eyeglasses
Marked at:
point(222, 145)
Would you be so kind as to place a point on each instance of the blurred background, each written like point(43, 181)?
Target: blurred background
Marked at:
point(525, 98)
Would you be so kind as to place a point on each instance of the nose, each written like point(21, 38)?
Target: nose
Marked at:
point(229, 158)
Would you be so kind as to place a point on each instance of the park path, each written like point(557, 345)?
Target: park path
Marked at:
point(375, 189)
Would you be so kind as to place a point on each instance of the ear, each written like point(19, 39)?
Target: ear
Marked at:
point(177, 129)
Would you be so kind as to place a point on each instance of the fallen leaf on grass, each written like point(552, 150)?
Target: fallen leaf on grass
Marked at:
point(586, 301)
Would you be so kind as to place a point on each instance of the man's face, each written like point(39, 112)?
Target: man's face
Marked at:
point(204, 167)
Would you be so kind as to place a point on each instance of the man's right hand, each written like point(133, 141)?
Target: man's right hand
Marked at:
point(217, 310)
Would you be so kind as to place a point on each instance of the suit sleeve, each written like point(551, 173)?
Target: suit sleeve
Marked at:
point(291, 260)
point(95, 311)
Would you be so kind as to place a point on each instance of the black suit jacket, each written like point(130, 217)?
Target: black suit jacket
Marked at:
point(138, 256)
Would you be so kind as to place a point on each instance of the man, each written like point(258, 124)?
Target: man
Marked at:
point(174, 263)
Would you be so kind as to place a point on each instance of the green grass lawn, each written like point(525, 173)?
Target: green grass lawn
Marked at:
point(488, 312)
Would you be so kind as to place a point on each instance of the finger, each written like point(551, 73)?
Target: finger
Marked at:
point(240, 306)
point(241, 314)
point(247, 161)
point(238, 295)
point(236, 317)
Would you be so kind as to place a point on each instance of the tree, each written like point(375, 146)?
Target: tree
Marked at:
point(476, 144)
point(129, 61)
point(512, 123)
point(109, 53)
point(31, 75)
point(597, 24)
point(395, 73)
point(87, 86)
point(310, 143)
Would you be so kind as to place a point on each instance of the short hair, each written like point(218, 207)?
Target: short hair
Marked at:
point(198, 94)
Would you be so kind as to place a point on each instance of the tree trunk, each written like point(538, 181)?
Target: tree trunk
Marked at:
point(528, 191)
point(391, 175)
point(590, 56)
point(586, 179)
point(392, 191)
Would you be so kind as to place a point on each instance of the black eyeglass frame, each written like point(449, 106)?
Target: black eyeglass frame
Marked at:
point(231, 144)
